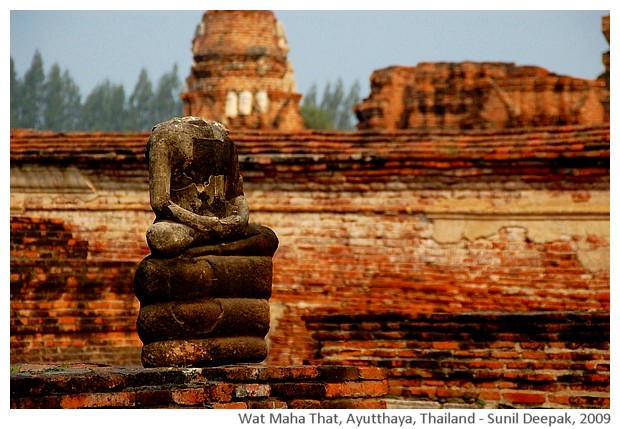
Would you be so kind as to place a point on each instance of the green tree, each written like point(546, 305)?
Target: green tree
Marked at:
point(54, 101)
point(141, 103)
point(310, 97)
point(16, 100)
point(332, 99)
point(334, 111)
point(345, 115)
point(314, 117)
point(72, 102)
point(104, 109)
point(62, 101)
point(166, 102)
point(54, 111)
point(33, 94)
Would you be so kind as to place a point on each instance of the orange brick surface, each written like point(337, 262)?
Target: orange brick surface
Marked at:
point(355, 214)
point(230, 387)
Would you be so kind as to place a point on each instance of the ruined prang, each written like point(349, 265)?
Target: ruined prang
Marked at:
point(241, 75)
point(479, 96)
point(204, 290)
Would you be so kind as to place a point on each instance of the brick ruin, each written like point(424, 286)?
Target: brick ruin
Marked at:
point(605, 76)
point(539, 359)
point(489, 95)
point(241, 75)
point(461, 96)
point(230, 387)
point(369, 224)
point(414, 251)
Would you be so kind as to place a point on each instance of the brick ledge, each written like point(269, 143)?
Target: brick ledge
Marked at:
point(83, 385)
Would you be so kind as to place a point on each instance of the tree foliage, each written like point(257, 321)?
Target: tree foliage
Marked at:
point(334, 110)
point(32, 93)
point(141, 102)
point(72, 103)
point(166, 99)
point(16, 88)
point(104, 108)
point(53, 101)
point(61, 101)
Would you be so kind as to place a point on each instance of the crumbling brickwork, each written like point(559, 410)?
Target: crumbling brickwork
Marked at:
point(489, 95)
point(231, 387)
point(64, 306)
point(461, 96)
point(463, 243)
point(495, 360)
point(241, 75)
point(77, 228)
point(513, 221)
point(606, 75)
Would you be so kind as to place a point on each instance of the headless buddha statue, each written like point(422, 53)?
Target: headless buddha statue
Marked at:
point(196, 190)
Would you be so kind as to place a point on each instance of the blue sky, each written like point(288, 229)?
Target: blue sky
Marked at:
point(324, 44)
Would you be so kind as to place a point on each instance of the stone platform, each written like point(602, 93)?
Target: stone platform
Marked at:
point(235, 386)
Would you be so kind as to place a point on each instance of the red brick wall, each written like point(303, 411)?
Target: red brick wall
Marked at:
point(230, 387)
point(508, 360)
point(388, 264)
point(368, 222)
point(63, 306)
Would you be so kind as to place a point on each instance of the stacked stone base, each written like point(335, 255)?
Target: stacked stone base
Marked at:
point(236, 386)
point(208, 306)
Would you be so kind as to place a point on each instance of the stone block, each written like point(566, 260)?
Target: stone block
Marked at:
point(162, 280)
point(203, 319)
point(204, 352)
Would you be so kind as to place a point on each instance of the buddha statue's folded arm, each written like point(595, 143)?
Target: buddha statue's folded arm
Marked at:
point(160, 172)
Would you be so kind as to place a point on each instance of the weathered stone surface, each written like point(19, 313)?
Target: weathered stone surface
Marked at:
point(334, 198)
point(196, 190)
point(205, 352)
point(203, 319)
point(205, 287)
point(257, 241)
point(160, 280)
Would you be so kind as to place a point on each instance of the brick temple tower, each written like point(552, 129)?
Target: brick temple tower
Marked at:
point(241, 75)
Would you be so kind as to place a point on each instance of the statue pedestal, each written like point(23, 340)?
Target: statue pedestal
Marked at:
point(208, 306)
